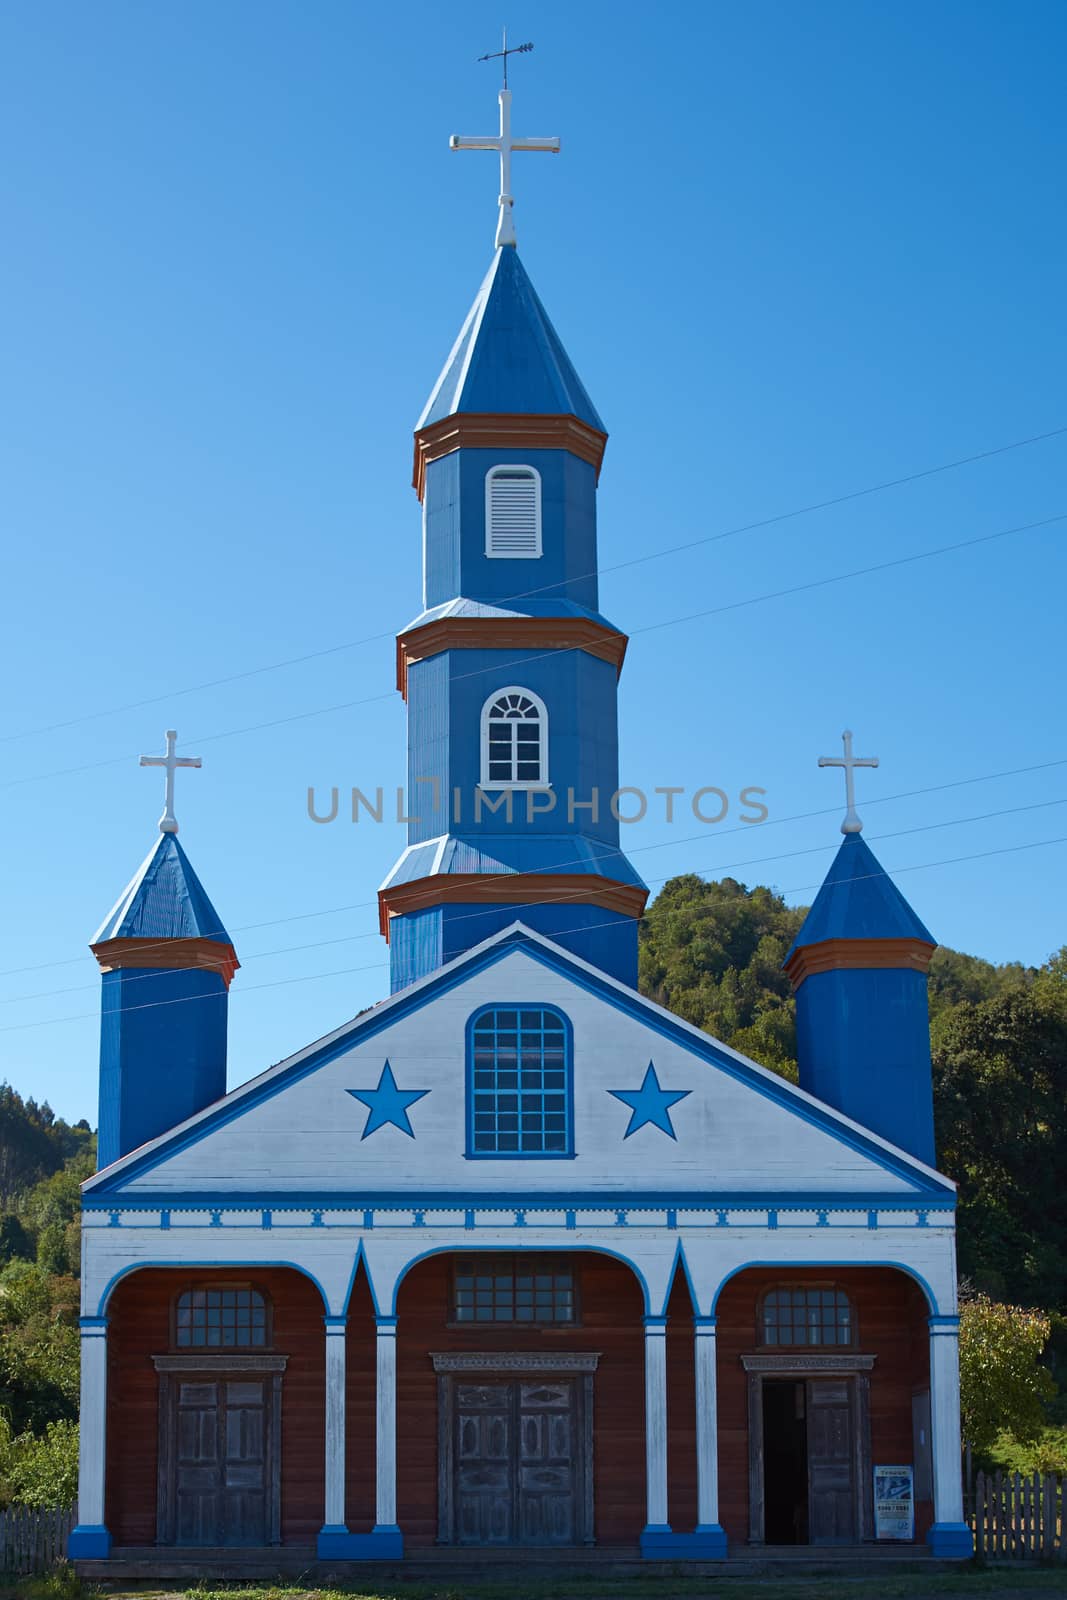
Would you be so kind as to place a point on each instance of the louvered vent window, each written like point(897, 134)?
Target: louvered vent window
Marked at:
point(513, 512)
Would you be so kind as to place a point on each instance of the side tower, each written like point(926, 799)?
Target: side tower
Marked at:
point(167, 962)
point(510, 672)
point(858, 967)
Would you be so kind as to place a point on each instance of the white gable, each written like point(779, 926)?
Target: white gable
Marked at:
point(731, 1135)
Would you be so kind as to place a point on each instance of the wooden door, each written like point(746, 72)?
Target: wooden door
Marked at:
point(547, 1466)
point(831, 1449)
point(515, 1462)
point(220, 1479)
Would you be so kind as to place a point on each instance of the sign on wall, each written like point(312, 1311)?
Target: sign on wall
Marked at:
point(894, 1503)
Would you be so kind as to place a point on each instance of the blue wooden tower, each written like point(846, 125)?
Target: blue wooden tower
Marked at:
point(167, 962)
point(859, 966)
point(510, 672)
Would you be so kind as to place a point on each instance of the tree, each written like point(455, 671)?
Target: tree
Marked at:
point(1003, 1386)
point(1000, 1099)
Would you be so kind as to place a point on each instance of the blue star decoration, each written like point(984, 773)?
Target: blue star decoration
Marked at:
point(388, 1104)
point(650, 1103)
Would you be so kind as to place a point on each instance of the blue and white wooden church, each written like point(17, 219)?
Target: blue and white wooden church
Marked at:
point(517, 1257)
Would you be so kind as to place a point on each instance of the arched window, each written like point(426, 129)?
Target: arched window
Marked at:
point(799, 1314)
point(514, 741)
point(513, 512)
point(519, 1083)
point(227, 1316)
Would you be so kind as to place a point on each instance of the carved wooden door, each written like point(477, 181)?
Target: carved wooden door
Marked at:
point(516, 1466)
point(831, 1489)
point(220, 1479)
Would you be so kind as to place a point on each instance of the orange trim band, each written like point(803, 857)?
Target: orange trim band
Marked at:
point(834, 955)
point(506, 633)
point(209, 955)
point(508, 431)
point(528, 888)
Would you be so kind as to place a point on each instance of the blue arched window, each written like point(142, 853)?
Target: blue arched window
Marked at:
point(520, 1090)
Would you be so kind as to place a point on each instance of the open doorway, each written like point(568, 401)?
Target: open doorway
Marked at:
point(785, 1461)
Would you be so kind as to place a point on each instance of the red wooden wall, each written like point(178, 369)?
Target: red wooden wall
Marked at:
point(891, 1315)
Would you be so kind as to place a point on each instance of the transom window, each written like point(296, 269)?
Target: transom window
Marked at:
point(794, 1315)
point(519, 1083)
point(514, 741)
point(513, 512)
point(227, 1317)
point(507, 1288)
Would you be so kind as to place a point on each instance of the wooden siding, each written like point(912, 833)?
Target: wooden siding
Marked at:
point(140, 1328)
point(891, 1317)
point(611, 1311)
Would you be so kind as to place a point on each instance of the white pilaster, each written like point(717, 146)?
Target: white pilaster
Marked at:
point(950, 1535)
point(707, 1398)
point(90, 1539)
point(335, 1424)
point(656, 1424)
point(386, 1432)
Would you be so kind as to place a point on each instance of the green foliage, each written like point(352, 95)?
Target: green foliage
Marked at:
point(40, 1469)
point(1003, 1386)
point(713, 952)
point(38, 1346)
point(1046, 1454)
point(1000, 1094)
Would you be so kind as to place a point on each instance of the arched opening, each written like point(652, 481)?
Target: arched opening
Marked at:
point(514, 739)
point(823, 1376)
point(528, 1362)
point(216, 1401)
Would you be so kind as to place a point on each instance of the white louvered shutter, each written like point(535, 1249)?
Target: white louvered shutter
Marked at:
point(513, 512)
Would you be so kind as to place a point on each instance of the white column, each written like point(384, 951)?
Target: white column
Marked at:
point(656, 1423)
point(336, 1328)
point(945, 1423)
point(90, 1538)
point(386, 1433)
point(707, 1423)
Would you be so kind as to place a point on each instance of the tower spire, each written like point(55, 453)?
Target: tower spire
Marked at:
point(504, 144)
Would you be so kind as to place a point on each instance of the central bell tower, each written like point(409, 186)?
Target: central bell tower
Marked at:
point(510, 672)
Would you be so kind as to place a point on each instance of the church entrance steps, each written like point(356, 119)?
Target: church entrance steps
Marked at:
point(464, 1564)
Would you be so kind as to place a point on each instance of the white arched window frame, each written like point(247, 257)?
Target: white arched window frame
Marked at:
point(513, 512)
point(514, 740)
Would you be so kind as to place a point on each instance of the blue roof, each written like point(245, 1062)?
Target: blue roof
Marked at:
point(859, 900)
point(164, 900)
point(509, 358)
point(502, 854)
point(519, 606)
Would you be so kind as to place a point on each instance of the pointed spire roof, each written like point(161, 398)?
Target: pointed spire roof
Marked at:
point(509, 359)
point(859, 900)
point(164, 900)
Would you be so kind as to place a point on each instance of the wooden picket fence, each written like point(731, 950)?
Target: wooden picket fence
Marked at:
point(32, 1540)
point(1020, 1518)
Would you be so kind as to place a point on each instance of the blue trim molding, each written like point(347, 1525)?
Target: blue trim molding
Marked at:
point(951, 1541)
point(337, 1544)
point(707, 1542)
point(89, 1541)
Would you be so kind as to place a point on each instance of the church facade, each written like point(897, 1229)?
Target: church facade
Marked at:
point(517, 1258)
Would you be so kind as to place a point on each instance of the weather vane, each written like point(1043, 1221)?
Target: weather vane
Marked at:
point(504, 144)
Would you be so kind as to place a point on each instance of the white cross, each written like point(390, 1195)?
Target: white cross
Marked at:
point(504, 144)
point(852, 823)
point(168, 822)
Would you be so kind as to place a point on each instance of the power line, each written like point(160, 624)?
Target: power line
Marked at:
point(694, 616)
point(660, 844)
point(526, 594)
point(574, 895)
point(375, 966)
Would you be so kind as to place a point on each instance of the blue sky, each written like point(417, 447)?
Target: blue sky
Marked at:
point(794, 251)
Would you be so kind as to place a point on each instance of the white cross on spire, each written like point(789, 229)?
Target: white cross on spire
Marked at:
point(168, 822)
point(852, 823)
point(504, 144)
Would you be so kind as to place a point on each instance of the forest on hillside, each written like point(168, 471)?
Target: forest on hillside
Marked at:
point(712, 952)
